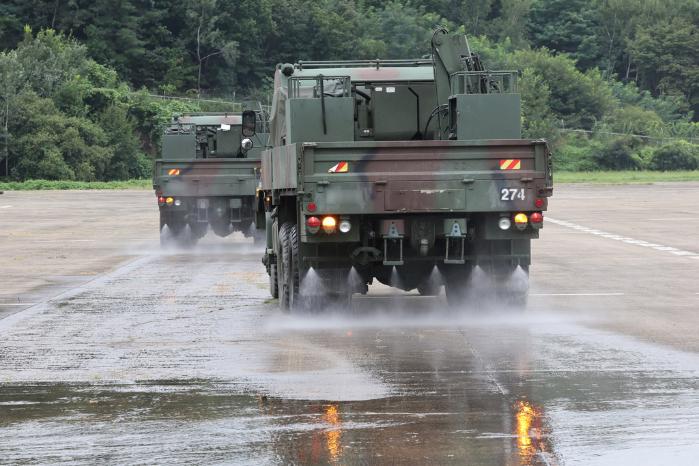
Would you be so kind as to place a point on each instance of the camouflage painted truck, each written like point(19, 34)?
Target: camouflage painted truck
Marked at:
point(410, 172)
point(208, 175)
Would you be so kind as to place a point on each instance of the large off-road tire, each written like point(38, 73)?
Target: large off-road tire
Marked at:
point(221, 228)
point(295, 298)
point(283, 266)
point(273, 281)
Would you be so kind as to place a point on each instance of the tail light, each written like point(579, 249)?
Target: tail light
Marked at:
point(536, 219)
point(311, 207)
point(312, 225)
point(329, 224)
point(539, 203)
point(161, 200)
point(521, 221)
point(169, 200)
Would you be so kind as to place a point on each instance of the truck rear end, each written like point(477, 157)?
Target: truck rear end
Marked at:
point(219, 193)
point(403, 213)
point(412, 173)
point(208, 175)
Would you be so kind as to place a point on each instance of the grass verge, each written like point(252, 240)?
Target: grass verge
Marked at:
point(609, 177)
point(623, 177)
point(33, 185)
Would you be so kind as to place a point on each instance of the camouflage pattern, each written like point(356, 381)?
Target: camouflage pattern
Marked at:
point(210, 177)
point(425, 176)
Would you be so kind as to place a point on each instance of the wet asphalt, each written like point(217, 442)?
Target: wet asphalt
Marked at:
point(176, 357)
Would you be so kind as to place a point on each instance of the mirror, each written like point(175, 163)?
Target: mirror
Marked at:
point(249, 123)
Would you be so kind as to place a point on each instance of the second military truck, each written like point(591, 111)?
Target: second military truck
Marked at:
point(208, 175)
point(410, 172)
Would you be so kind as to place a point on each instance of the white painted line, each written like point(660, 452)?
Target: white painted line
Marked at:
point(64, 241)
point(576, 294)
point(18, 304)
point(5, 206)
point(625, 239)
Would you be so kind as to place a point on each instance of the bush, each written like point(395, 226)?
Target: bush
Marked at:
point(678, 155)
point(620, 154)
point(577, 155)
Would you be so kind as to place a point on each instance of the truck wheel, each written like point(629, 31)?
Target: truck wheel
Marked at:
point(273, 281)
point(283, 267)
point(295, 298)
point(221, 228)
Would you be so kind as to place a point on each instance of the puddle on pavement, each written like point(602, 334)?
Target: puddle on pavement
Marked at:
point(193, 369)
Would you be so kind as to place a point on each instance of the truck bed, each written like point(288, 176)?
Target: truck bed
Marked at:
point(207, 177)
point(413, 176)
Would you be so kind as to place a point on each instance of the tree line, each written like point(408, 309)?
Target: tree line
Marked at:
point(77, 75)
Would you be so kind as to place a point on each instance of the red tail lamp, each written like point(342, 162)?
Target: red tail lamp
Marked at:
point(539, 203)
point(311, 207)
point(312, 225)
point(536, 219)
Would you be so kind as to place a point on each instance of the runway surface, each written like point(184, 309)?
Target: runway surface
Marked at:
point(112, 350)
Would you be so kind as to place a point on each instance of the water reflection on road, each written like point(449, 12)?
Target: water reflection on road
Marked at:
point(200, 368)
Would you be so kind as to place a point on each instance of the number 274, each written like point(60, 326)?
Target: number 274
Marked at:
point(511, 194)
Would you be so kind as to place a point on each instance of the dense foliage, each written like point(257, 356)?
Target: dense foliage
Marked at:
point(593, 70)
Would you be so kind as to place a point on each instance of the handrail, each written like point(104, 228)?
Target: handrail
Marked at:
point(484, 82)
point(295, 84)
point(377, 63)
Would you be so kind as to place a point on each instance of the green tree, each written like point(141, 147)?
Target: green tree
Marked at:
point(567, 26)
point(578, 99)
point(667, 56)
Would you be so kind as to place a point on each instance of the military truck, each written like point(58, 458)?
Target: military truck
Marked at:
point(410, 172)
point(208, 175)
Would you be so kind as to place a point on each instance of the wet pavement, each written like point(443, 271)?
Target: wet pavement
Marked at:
point(181, 357)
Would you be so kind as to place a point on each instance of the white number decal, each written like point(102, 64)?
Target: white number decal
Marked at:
point(511, 194)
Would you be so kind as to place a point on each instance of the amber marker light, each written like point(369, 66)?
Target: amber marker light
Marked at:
point(521, 221)
point(329, 224)
point(169, 200)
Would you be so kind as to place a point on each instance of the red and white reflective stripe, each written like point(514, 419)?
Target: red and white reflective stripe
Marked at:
point(510, 164)
point(340, 167)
